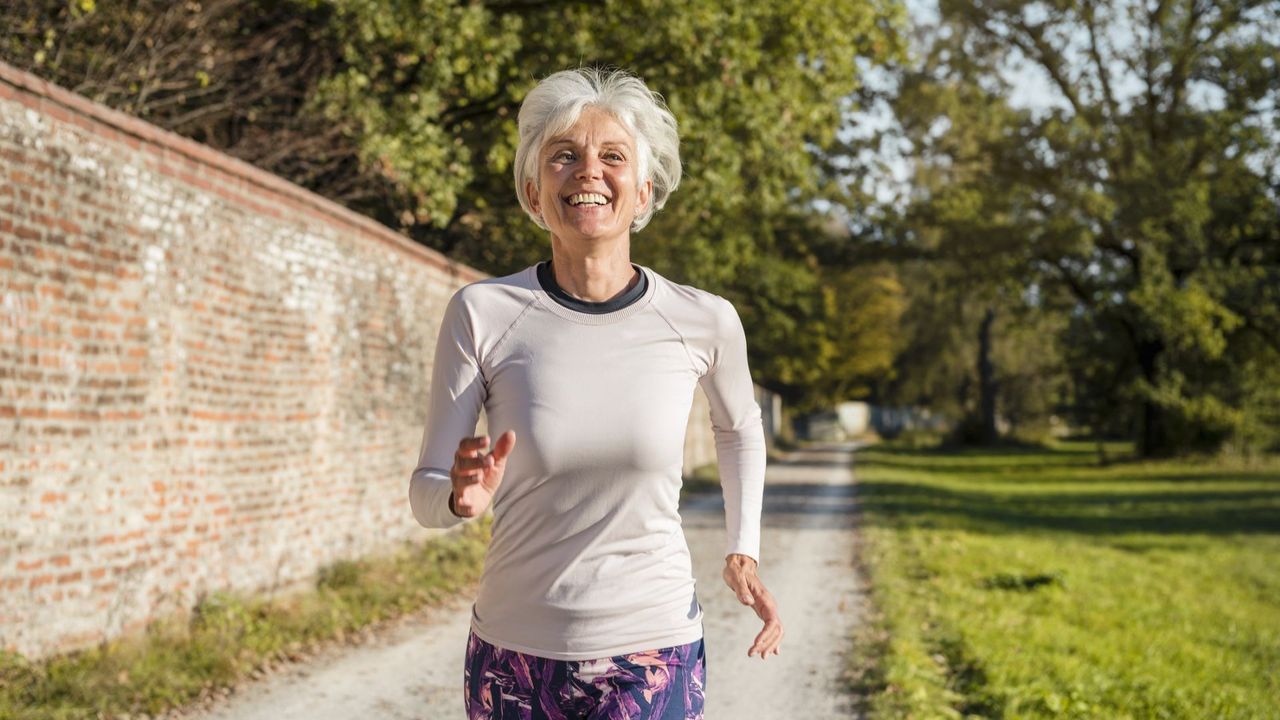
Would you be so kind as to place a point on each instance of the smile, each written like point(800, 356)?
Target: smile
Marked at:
point(587, 199)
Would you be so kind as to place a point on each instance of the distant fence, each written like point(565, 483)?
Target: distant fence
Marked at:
point(209, 377)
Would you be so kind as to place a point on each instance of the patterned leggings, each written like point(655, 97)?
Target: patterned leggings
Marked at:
point(664, 684)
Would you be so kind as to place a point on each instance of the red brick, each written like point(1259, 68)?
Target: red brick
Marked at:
point(75, 263)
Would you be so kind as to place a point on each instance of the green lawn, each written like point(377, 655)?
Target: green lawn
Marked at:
point(1039, 584)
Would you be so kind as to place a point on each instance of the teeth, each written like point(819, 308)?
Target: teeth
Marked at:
point(587, 199)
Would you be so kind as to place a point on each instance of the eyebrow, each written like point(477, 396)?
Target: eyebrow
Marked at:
point(608, 143)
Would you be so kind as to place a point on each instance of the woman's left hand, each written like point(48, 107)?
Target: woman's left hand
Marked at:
point(740, 576)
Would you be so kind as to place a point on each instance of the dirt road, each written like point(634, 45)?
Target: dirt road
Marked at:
point(415, 670)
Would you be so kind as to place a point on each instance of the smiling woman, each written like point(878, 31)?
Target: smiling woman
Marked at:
point(587, 607)
point(630, 120)
point(588, 188)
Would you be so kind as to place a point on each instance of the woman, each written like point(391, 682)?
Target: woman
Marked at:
point(587, 364)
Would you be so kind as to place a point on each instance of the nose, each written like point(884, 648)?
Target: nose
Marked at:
point(591, 168)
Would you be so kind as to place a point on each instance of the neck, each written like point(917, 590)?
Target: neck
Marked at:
point(593, 274)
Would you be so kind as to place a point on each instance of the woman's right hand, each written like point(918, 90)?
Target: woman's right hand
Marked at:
point(476, 475)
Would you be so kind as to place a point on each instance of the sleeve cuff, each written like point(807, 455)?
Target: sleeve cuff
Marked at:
point(429, 497)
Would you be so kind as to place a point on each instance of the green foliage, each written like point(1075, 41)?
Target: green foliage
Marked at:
point(938, 348)
point(408, 74)
point(820, 335)
point(1147, 192)
point(227, 636)
point(1037, 584)
point(406, 111)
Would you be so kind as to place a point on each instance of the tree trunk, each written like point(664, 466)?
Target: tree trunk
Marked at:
point(1154, 439)
point(987, 380)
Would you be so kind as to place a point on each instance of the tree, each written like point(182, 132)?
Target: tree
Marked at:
point(405, 111)
point(822, 334)
point(960, 239)
point(1148, 190)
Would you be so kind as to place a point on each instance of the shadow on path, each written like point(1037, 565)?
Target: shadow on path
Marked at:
point(1095, 513)
point(791, 499)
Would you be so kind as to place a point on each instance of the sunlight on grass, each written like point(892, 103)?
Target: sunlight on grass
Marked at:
point(1040, 584)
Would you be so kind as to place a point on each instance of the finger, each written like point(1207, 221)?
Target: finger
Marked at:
point(469, 447)
point(768, 641)
point(765, 648)
point(469, 469)
point(473, 463)
point(506, 443)
point(768, 636)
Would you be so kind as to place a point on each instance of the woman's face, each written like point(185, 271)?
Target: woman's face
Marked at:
point(588, 181)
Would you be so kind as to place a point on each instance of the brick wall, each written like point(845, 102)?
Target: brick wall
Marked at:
point(209, 378)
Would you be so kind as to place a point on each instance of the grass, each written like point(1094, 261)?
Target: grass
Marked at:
point(1034, 583)
point(228, 638)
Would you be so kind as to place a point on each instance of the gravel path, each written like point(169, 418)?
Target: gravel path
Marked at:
point(414, 670)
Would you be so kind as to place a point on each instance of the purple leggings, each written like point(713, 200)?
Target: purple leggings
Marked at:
point(663, 684)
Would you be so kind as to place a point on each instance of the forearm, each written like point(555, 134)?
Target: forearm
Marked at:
point(431, 499)
point(453, 407)
point(741, 456)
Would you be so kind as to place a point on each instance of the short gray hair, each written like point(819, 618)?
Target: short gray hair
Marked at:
point(553, 106)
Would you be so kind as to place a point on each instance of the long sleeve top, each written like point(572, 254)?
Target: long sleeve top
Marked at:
point(587, 557)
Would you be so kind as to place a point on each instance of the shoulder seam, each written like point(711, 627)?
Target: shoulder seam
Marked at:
point(456, 300)
point(506, 333)
point(683, 343)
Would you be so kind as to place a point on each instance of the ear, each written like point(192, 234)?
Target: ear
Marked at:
point(643, 196)
point(531, 192)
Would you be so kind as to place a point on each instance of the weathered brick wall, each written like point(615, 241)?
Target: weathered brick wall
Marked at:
point(209, 378)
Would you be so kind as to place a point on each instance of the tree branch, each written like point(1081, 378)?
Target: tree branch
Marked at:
point(1104, 77)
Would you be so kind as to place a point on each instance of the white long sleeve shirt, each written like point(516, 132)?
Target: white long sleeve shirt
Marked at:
point(588, 558)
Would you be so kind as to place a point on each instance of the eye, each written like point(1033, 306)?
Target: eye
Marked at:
point(613, 157)
point(563, 156)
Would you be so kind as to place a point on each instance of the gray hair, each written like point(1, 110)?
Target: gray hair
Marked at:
point(553, 106)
